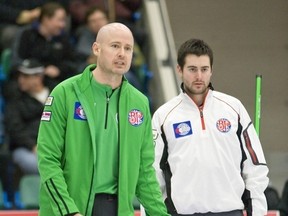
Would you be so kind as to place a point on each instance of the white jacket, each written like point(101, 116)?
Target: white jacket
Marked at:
point(213, 155)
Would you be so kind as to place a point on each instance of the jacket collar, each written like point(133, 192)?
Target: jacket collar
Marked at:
point(85, 80)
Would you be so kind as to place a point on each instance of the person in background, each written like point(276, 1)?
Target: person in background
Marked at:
point(49, 44)
point(126, 12)
point(95, 145)
point(209, 159)
point(23, 109)
point(15, 14)
point(95, 19)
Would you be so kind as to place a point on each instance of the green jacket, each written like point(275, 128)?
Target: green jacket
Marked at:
point(66, 151)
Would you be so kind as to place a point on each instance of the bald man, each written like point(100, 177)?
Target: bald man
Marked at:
point(95, 145)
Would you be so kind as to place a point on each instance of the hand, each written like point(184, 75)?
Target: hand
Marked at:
point(78, 214)
point(52, 71)
point(28, 16)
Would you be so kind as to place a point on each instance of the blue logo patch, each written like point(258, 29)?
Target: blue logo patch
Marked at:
point(79, 112)
point(182, 129)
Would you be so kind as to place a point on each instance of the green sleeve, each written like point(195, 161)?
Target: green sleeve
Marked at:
point(51, 156)
point(148, 189)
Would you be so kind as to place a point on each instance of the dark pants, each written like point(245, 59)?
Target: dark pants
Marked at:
point(230, 213)
point(105, 205)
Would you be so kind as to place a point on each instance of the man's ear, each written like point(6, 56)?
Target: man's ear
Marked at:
point(96, 48)
point(211, 70)
point(179, 70)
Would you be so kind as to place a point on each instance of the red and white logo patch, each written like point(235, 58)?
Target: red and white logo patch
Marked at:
point(135, 117)
point(223, 125)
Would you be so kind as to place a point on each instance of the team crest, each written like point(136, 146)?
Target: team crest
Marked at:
point(223, 125)
point(79, 112)
point(135, 117)
point(182, 129)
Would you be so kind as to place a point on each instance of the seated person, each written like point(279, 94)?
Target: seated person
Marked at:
point(48, 43)
point(25, 99)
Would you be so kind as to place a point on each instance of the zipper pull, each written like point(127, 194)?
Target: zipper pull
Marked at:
point(107, 98)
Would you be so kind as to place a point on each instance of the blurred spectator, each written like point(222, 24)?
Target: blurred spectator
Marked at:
point(1, 114)
point(1, 124)
point(283, 206)
point(272, 197)
point(25, 98)
point(49, 44)
point(14, 14)
point(126, 12)
point(96, 18)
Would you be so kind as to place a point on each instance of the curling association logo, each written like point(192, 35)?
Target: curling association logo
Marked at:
point(79, 112)
point(182, 129)
point(223, 125)
point(135, 117)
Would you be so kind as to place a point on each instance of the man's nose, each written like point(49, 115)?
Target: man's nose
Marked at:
point(121, 51)
point(198, 74)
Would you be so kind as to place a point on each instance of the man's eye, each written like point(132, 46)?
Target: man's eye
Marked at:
point(204, 69)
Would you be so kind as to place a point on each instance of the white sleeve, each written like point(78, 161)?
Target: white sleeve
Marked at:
point(255, 169)
point(159, 147)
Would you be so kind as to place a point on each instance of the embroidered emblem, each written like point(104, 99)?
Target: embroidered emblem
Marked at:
point(79, 112)
point(223, 125)
point(182, 129)
point(49, 101)
point(46, 116)
point(135, 117)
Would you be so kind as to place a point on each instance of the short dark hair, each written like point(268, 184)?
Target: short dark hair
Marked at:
point(195, 47)
point(49, 9)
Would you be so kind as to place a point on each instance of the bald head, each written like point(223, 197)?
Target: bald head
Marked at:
point(113, 49)
point(111, 29)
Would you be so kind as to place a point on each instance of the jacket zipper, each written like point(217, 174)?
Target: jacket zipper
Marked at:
point(107, 107)
point(202, 119)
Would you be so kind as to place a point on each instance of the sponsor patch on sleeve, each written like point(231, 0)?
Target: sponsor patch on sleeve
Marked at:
point(46, 116)
point(49, 101)
point(182, 129)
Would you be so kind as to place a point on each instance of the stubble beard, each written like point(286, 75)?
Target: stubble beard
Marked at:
point(192, 90)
